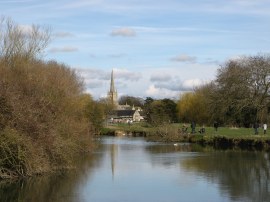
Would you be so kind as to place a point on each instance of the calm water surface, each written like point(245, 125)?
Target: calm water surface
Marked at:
point(133, 170)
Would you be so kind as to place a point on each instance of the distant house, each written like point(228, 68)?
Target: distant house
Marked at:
point(125, 116)
point(122, 113)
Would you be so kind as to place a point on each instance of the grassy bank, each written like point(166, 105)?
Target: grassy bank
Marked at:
point(134, 128)
point(224, 137)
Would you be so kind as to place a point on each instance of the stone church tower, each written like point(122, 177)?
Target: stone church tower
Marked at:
point(112, 94)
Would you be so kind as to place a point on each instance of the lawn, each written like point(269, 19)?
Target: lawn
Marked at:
point(230, 132)
point(224, 137)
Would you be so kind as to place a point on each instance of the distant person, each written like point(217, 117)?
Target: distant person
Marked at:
point(216, 125)
point(202, 130)
point(264, 128)
point(193, 126)
point(256, 126)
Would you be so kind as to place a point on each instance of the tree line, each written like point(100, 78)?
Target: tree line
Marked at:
point(239, 95)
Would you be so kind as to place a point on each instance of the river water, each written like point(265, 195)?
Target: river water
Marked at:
point(133, 170)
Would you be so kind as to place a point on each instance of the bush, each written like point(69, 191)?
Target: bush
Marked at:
point(41, 117)
point(15, 151)
point(43, 123)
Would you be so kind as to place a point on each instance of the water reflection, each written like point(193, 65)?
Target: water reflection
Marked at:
point(169, 148)
point(131, 169)
point(59, 187)
point(113, 152)
point(241, 175)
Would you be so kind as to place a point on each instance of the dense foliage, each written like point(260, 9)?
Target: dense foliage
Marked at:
point(132, 101)
point(239, 96)
point(43, 116)
point(158, 112)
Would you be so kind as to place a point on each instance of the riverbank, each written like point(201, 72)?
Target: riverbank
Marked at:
point(223, 138)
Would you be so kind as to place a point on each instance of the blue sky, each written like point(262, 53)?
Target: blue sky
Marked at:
point(156, 48)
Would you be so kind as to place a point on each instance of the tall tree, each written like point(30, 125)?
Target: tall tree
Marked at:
point(243, 88)
point(194, 106)
point(170, 109)
point(147, 108)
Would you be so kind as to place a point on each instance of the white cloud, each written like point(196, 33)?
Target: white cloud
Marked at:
point(154, 92)
point(62, 34)
point(63, 49)
point(119, 74)
point(92, 73)
point(166, 82)
point(117, 55)
point(235, 57)
point(96, 77)
point(177, 85)
point(91, 83)
point(127, 75)
point(192, 83)
point(124, 32)
point(160, 77)
point(184, 58)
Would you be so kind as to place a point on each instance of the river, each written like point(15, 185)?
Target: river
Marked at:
point(133, 170)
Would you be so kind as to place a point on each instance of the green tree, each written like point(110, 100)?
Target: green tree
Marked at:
point(195, 106)
point(170, 108)
point(132, 101)
point(147, 108)
point(161, 111)
point(243, 87)
point(186, 107)
point(96, 116)
point(106, 107)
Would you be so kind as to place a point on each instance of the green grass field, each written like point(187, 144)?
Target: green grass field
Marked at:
point(229, 132)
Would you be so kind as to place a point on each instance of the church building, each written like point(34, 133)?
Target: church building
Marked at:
point(112, 94)
point(121, 113)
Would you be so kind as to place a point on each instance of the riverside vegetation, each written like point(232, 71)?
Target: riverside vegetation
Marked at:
point(238, 99)
point(45, 118)
point(223, 138)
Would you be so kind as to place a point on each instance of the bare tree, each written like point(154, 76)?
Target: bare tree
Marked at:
point(18, 43)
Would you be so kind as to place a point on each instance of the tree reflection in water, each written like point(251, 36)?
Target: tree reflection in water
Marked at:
point(240, 174)
point(58, 187)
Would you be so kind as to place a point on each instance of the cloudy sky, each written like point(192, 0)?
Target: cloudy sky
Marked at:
point(156, 48)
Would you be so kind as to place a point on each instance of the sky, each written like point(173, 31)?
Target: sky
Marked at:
point(156, 48)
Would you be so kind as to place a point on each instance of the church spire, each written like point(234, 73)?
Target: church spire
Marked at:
point(112, 94)
point(112, 88)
